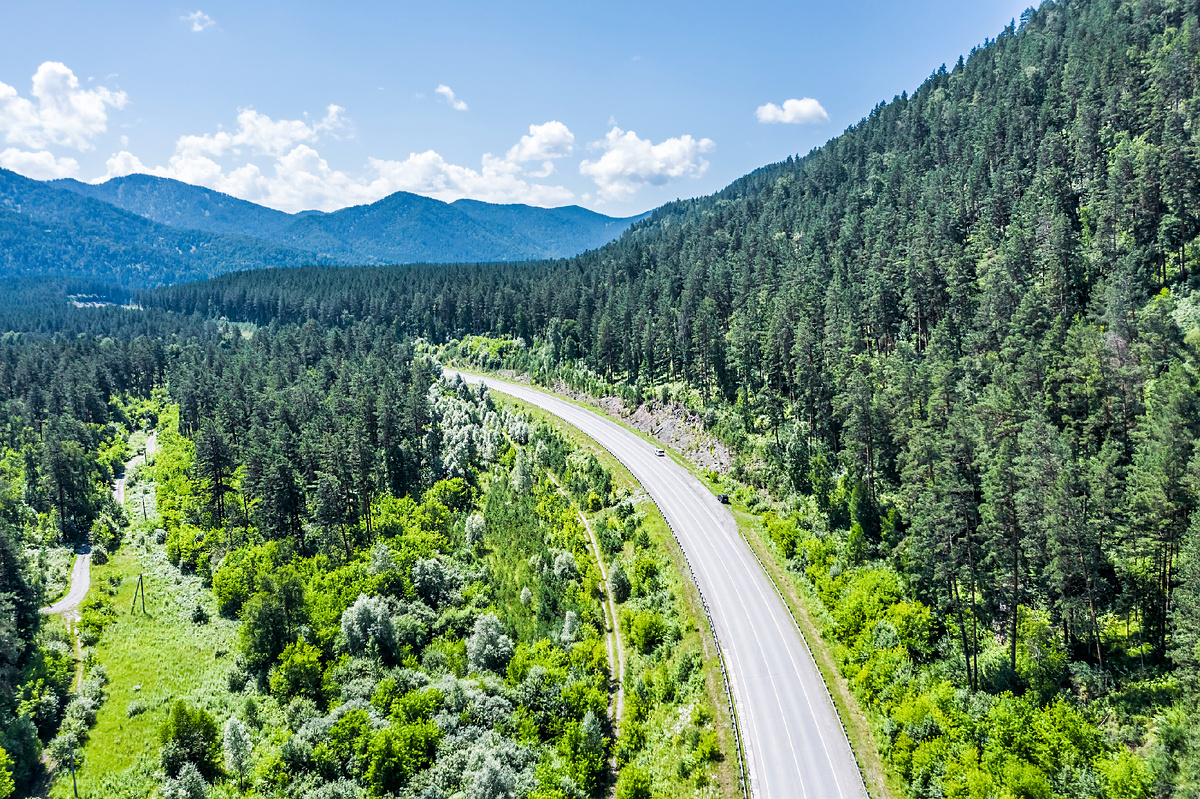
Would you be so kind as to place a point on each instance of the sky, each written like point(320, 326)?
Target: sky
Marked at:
point(615, 106)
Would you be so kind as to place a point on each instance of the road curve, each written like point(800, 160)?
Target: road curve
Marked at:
point(81, 572)
point(794, 744)
point(80, 580)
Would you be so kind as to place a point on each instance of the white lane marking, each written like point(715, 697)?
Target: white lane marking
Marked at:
point(588, 421)
point(791, 655)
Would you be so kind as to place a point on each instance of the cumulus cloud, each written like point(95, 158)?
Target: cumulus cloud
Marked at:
point(301, 179)
point(448, 93)
point(805, 111)
point(629, 163)
point(498, 181)
point(259, 134)
point(61, 112)
point(550, 140)
point(41, 165)
point(199, 21)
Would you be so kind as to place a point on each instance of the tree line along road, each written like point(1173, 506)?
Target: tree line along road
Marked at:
point(794, 743)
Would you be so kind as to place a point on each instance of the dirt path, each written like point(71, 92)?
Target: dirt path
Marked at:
point(612, 638)
point(81, 572)
point(137, 460)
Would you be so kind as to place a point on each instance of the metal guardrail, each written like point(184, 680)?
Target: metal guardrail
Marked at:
point(737, 736)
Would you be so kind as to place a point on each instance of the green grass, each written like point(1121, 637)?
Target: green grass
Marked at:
point(152, 658)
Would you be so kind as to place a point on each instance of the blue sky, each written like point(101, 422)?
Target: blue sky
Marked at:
point(616, 106)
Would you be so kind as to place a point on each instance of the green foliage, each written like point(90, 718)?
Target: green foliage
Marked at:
point(96, 613)
point(633, 783)
point(646, 630)
point(299, 673)
point(189, 735)
point(618, 582)
point(1125, 776)
point(343, 752)
point(399, 751)
point(6, 781)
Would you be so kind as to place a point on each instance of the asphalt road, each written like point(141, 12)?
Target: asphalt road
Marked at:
point(794, 743)
point(80, 580)
point(81, 572)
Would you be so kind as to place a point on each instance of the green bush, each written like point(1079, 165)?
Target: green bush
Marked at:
point(189, 735)
point(399, 751)
point(618, 581)
point(647, 631)
point(634, 783)
point(97, 614)
point(299, 673)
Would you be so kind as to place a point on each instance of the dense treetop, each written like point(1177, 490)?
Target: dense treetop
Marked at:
point(962, 337)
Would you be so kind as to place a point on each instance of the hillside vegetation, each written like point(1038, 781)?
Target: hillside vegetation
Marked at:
point(959, 346)
point(358, 579)
point(143, 231)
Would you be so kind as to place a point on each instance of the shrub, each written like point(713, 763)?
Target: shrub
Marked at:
point(707, 747)
point(618, 582)
point(634, 783)
point(648, 631)
point(199, 614)
point(6, 780)
point(236, 748)
point(99, 555)
point(299, 672)
point(488, 648)
point(432, 581)
point(475, 529)
point(264, 630)
point(189, 736)
point(97, 614)
point(367, 626)
point(189, 784)
point(399, 751)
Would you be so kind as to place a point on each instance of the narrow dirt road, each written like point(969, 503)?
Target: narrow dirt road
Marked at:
point(68, 606)
point(81, 576)
point(616, 650)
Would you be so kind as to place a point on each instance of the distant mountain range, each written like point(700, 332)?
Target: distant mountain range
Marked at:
point(143, 231)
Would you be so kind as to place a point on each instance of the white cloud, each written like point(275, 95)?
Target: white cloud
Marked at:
point(301, 179)
point(629, 163)
point(41, 165)
point(448, 93)
point(259, 134)
point(199, 21)
point(550, 140)
point(498, 181)
point(804, 111)
point(61, 112)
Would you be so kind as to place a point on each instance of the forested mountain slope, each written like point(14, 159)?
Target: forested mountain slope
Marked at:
point(182, 205)
point(400, 228)
point(961, 340)
point(50, 231)
point(409, 228)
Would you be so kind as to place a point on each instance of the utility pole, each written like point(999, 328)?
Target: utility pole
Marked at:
point(140, 588)
point(74, 783)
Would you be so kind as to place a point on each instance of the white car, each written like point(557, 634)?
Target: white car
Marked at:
point(660, 453)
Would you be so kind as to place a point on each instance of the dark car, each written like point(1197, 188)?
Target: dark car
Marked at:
point(723, 499)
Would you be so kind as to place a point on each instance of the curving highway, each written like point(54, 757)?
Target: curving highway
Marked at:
point(794, 743)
